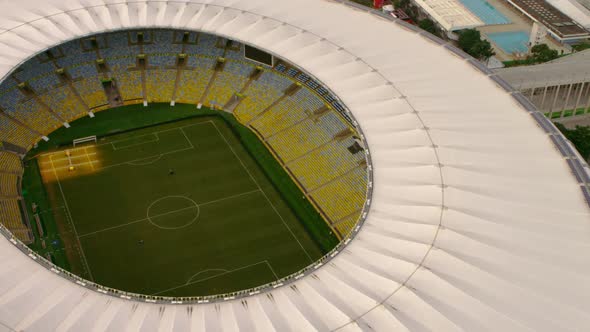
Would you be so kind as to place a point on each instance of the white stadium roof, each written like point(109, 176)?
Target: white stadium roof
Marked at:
point(476, 220)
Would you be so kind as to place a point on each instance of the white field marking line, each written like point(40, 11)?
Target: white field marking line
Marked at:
point(166, 213)
point(88, 157)
point(230, 197)
point(137, 163)
point(149, 218)
point(271, 269)
point(136, 144)
point(211, 277)
point(263, 193)
point(129, 162)
point(71, 158)
point(135, 160)
point(188, 140)
point(140, 220)
point(126, 139)
point(67, 209)
point(207, 270)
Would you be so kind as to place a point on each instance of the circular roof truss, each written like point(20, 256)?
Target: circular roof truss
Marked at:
point(476, 220)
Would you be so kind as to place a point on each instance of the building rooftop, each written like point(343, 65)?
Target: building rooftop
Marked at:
point(559, 23)
point(450, 14)
point(574, 68)
point(579, 10)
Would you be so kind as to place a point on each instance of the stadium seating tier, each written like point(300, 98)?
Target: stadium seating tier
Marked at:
point(302, 127)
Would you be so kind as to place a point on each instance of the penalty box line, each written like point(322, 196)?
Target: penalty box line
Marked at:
point(169, 212)
point(179, 128)
point(91, 162)
point(189, 282)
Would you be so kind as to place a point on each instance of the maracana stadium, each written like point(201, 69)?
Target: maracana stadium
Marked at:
point(258, 165)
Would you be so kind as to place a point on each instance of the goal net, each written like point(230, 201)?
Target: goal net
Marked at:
point(82, 140)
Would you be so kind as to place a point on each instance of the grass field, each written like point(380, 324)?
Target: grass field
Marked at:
point(177, 209)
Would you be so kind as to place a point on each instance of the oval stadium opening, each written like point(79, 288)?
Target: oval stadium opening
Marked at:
point(171, 163)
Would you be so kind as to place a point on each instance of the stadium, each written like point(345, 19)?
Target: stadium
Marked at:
point(275, 165)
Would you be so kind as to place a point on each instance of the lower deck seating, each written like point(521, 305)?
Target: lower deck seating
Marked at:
point(325, 163)
point(129, 83)
point(229, 81)
point(8, 184)
point(160, 85)
point(344, 226)
point(308, 135)
point(15, 134)
point(10, 162)
point(11, 218)
point(259, 96)
point(193, 82)
point(283, 115)
point(344, 196)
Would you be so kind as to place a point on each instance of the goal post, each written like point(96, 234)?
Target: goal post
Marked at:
point(85, 140)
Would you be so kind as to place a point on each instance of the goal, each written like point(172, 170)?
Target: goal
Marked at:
point(85, 140)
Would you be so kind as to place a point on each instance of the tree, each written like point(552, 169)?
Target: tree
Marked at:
point(470, 41)
point(428, 25)
point(580, 137)
point(468, 38)
point(482, 50)
point(542, 53)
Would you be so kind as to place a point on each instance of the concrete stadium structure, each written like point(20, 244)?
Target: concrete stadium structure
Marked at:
point(555, 87)
point(479, 218)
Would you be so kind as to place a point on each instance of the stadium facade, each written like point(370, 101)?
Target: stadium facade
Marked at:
point(479, 216)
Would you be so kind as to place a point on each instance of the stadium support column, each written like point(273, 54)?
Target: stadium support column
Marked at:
point(582, 87)
point(66, 80)
point(544, 96)
point(567, 99)
point(218, 68)
point(555, 99)
point(181, 61)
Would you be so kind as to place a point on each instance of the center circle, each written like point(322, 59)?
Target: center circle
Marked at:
point(173, 212)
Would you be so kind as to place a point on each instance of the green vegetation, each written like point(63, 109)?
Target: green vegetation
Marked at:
point(470, 41)
point(539, 54)
point(428, 25)
point(51, 244)
point(566, 113)
point(542, 53)
point(580, 137)
point(198, 205)
point(581, 46)
point(368, 3)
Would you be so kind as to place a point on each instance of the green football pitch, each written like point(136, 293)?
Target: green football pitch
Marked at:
point(177, 209)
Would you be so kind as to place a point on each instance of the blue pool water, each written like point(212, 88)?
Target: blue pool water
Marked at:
point(512, 41)
point(485, 11)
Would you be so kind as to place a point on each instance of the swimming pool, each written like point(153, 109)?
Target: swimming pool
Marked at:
point(511, 41)
point(485, 11)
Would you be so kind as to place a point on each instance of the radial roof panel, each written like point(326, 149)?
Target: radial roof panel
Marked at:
point(476, 220)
